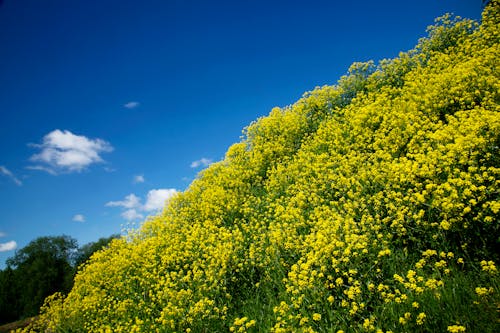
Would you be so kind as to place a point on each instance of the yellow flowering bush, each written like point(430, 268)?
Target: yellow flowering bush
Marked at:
point(367, 206)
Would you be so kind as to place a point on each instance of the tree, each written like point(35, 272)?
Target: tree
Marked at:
point(38, 270)
point(9, 302)
point(45, 266)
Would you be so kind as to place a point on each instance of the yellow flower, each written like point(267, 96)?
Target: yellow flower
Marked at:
point(488, 266)
point(456, 329)
point(445, 225)
point(421, 318)
point(251, 323)
point(482, 291)
point(429, 253)
point(385, 252)
point(339, 281)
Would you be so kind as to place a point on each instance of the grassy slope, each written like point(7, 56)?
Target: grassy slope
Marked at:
point(371, 205)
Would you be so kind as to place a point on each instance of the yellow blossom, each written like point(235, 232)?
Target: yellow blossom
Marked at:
point(456, 329)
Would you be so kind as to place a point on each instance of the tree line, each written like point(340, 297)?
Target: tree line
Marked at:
point(45, 266)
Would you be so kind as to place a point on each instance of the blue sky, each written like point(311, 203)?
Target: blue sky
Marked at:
point(107, 107)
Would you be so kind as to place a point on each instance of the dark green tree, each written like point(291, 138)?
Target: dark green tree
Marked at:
point(38, 270)
point(9, 302)
point(45, 266)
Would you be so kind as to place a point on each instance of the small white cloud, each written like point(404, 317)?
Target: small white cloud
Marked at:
point(79, 218)
point(132, 214)
point(2, 234)
point(139, 179)
point(9, 246)
point(157, 198)
point(201, 162)
point(6, 172)
point(131, 201)
point(67, 152)
point(131, 105)
point(132, 206)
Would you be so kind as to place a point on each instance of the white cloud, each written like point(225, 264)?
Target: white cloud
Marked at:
point(65, 151)
point(132, 214)
point(79, 218)
point(132, 206)
point(201, 162)
point(9, 246)
point(131, 201)
point(6, 172)
point(156, 199)
point(2, 234)
point(42, 168)
point(131, 105)
point(139, 179)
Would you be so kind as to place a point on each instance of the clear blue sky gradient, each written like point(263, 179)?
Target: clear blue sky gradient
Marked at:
point(200, 70)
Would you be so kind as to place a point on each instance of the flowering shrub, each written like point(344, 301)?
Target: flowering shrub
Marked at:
point(368, 206)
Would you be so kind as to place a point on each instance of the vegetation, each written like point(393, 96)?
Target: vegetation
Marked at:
point(16, 325)
point(86, 251)
point(367, 206)
point(45, 266)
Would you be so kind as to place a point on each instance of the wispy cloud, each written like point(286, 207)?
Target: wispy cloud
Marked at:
point(139, 179)
point(130, 201)
point(63, 151)
point(79, 218)
point(131, 105)
point(42, 168)
point(132, 214)
point(9, 246)
point(7, 173)
point(201, 162)
point(131, 204)
point(133, 207)
point(2, 234)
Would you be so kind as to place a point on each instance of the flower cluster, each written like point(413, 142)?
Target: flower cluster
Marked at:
point(368, 206)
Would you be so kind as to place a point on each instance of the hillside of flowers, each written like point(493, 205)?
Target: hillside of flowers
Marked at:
point(368, 206)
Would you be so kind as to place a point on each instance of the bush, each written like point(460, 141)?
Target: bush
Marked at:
point(371, 205)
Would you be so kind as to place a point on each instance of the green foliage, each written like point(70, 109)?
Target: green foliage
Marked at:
point(9, 301)
point(45, 266)
point(368, 206)
point(37, 271)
